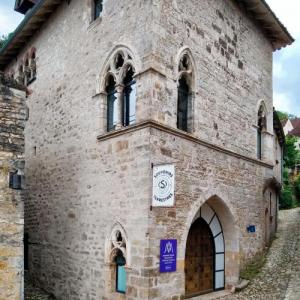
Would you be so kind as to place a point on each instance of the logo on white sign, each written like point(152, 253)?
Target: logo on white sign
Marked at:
point(163, 185)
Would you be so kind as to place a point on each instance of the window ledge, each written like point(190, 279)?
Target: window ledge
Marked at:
point(94, 23)
point(118, 296)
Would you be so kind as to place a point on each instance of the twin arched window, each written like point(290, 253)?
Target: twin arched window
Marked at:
point(121, 92)
point(27, 70)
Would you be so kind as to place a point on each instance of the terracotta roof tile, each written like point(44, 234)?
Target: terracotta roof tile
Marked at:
point(295, 132)
point(296, 123)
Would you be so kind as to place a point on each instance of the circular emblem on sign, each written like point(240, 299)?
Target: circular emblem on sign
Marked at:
point(163, 185)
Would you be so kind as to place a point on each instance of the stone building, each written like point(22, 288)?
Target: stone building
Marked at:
point(118, 89)
point(13, 114)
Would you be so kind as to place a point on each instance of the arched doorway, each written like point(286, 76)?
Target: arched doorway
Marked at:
point(205, 254)
point(199, 259)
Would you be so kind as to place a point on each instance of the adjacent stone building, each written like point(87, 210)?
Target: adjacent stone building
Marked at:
point(12, 122)
point(118, 88)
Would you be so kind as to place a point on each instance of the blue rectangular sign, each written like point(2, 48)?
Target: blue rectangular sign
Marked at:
point(168, 256)
point(251, 228)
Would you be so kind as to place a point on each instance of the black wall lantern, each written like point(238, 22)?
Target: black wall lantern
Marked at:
point(15, 181)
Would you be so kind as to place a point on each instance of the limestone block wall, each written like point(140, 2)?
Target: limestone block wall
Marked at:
point(232, 62)
point(223, 181)
point(12, 123)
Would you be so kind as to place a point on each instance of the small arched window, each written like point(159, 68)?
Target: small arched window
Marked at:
point(129, 98)
point(111, 104)
point(182, 105)
point(261, 127)
point(98, 7)
point(184, 93)
point(117, 256)
point(120, 273)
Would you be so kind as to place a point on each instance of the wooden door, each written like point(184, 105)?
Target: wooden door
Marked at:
point(199, 260)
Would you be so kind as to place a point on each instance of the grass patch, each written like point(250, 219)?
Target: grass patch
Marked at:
point(254, 267)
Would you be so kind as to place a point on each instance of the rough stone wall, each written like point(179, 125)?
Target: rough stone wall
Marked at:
point(201, 175)
point(12, 123)
point(79, 188)
point(233, 71)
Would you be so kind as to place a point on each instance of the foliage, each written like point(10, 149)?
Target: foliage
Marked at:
point(291, 154)
point(286, 200)
point(4, 39)
point(284, 116)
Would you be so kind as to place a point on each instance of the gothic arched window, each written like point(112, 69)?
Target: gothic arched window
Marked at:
point(261, 127)
point(184, 93)
point(117, 258)
point(120, 90)
point(98, 7)
point(111, 104)
point(129, 98)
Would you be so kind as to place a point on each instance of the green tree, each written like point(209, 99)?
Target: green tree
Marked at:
point(282, 115)
point(4, 39)
point(291, 154)
point(286, 200)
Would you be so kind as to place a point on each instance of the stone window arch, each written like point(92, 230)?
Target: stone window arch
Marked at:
point(117, 259)
point(185, 91)
point(121, 68)
point(261, 130)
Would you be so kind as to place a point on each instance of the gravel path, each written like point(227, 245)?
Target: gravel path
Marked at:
point(280, 277)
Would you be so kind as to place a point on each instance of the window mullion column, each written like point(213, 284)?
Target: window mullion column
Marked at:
point(119, 94)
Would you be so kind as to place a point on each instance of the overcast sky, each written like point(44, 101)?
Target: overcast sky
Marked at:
point(286, 61)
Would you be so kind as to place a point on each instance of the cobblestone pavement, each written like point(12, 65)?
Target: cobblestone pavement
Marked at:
point(280, 277)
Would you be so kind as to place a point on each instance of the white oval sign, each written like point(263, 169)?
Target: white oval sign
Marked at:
point(163, 185)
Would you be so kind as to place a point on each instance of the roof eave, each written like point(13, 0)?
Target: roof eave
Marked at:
point(278, 128)
point(32, 22)
point(273, 29)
